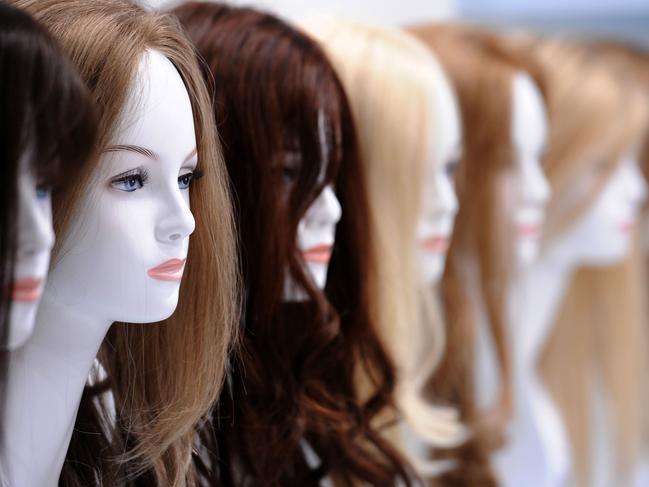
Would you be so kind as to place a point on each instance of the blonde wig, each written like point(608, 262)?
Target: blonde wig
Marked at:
point(596, 117)
point(163, 378)
point(482, 71)
point(393, 85)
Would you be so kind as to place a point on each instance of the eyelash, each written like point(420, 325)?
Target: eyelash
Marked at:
point(192, 176)
point(136, 179)
point(138, 176)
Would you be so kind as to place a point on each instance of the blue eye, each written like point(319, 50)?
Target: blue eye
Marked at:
point(42, 192)
point(185, 180)
point(130, 181)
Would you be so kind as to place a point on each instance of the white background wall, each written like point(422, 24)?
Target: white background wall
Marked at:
point(387, 12)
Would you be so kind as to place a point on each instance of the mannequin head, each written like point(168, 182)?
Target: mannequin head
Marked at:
point(163, 378)
point(597, 123)
point(439, 202)
point(133, 222)
point(528, 137)
point(291, 152)
point(409, 125)
point(45, 112)
point(501, 190)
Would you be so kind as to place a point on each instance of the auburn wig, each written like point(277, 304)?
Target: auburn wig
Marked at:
point(596, 117)
point(285, 120)
point(482, 70)
point(394, 84)
point(46, 116)
point(163, 379)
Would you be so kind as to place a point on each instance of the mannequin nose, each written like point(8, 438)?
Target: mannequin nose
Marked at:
point(445, 197)
point(636, 183)
point(35, 233)
point(326, 209)
point(178, 222)
point(535, 187)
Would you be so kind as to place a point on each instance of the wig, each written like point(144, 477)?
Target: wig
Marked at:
point(393, 83)
point(285, 120)
point(46, 116)
point(596, 117)
point(164, 379)
point(482, 71)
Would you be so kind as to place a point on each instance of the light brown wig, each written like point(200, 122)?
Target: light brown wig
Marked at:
point(163, 378)
point(482, 70)
point(596, 117)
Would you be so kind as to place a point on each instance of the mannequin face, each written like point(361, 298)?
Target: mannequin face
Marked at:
point(603, 234)
point(439, 205)
point(35, 241)
point(529, 134)
point(316, 234)
point(123, 258)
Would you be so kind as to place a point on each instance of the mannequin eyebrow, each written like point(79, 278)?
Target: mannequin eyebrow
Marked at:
point(133, 148)
point(144, 151)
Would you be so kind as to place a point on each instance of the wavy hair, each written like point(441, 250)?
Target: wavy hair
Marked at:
point(393, 83)
point(482, 70)
point(293, 389)
point(163, 379)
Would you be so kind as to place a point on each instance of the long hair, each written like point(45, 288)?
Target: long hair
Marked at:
point(393, 83)
point(47, 116)
point(164, 378)
point(596, 117)
point(276, 98)
point(482, 70)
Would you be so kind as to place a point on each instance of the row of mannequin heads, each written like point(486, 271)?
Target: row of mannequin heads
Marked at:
point(607, 226)
point(123, 254)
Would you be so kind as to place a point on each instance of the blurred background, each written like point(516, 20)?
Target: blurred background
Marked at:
point(621, 19)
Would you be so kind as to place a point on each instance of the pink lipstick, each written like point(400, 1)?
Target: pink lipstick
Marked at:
point(529, 230)
point(627, 227)
point(26, 290)
point(435, 244)
point(171, 270)
point(320, 254)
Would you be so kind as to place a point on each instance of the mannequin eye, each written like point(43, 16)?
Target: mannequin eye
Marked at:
point(289, 174)
point(451, 169)
point(42, 191)
point(184, 181)
point(131, 180)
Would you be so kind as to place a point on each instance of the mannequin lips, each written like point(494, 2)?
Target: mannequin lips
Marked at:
point(171, 270)
point(320, 254)
point(26, 290)
point(437, 244)
point(627, 227)
point(529, 230)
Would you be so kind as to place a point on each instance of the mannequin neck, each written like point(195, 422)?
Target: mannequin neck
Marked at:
point(535, 298)
point(45, 382)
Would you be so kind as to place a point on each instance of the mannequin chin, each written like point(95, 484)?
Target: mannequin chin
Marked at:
point(529, 133)
point(123, 256)
point(603, 235)
point(439, 201)
point(316, 234)
point(35, 241)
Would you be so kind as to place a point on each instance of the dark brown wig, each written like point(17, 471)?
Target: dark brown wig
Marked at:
point(292, 386)
point(45, 115)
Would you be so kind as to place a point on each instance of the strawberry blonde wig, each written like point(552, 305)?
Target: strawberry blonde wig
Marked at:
point(393, 83)
point(164, 378)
